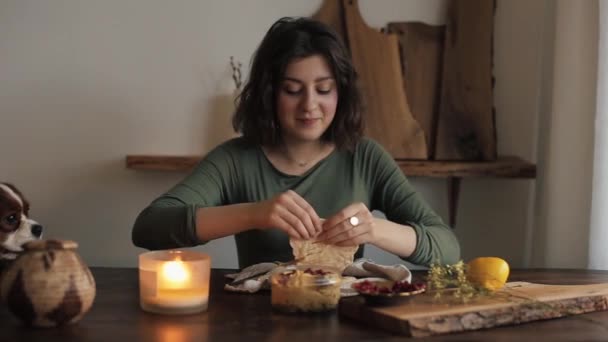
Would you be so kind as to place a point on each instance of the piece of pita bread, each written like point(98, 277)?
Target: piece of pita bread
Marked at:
point(310, 252)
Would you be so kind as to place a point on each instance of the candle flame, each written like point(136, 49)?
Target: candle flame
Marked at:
point(175, 272)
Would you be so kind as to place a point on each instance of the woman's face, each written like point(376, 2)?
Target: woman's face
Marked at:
point(307, 99)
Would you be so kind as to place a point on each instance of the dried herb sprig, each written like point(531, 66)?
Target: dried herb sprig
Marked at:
point(451, 281)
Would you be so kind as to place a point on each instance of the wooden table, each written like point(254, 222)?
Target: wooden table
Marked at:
point(116, 317)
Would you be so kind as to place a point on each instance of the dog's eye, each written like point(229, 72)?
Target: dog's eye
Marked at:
point(12, 219)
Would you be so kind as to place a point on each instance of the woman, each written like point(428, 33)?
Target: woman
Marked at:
point(301, 168)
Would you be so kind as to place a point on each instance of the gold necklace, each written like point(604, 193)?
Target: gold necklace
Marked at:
point(297, 162)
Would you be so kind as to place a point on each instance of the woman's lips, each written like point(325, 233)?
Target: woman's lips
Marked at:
point(308, 121)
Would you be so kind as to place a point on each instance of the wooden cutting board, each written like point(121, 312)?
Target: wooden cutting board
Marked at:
point(517, 303)
point(466, 129)
point(387, 114)
point(331, 13)
point(421, 48)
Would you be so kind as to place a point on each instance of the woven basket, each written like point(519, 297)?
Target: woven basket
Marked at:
point(48, 285)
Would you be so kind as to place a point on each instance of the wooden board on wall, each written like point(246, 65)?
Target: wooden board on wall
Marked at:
point(421, 59)
point(466, 124)
point(332, 13)
point(388, 117)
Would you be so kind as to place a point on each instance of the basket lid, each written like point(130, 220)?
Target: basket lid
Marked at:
point(50, 244)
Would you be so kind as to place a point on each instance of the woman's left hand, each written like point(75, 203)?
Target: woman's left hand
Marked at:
point(351, 226)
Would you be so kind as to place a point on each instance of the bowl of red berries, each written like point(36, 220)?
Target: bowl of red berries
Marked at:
point(382, 291)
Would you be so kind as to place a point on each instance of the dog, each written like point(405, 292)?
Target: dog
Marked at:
point(16, 228)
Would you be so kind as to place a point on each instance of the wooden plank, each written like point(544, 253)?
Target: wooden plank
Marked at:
point(388, 118)
point(506, 167)
point(516, 304)
point(332, 14)
point(503, 167)
point(466, 128)
point(421, 48)
point(162, 163)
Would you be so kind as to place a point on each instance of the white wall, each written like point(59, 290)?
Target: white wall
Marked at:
point(598, 234)
point(85, 83)
point(563, 201)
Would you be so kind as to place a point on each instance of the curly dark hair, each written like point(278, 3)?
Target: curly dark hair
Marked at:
point(288, 39)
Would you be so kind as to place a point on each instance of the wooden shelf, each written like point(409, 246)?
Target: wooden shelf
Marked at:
point(503, 167)
point(453, 171)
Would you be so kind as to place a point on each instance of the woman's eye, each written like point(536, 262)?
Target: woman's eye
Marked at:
point(292, 91)
point(324, 91)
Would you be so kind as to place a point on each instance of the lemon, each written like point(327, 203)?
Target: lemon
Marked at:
point(488, 272)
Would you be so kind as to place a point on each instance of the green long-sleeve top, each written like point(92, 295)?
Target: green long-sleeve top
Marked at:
point(238, 172)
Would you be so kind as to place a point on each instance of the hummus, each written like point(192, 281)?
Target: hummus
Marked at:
point(305, 290)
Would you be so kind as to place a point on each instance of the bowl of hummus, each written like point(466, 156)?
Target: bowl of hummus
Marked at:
point(305, 288)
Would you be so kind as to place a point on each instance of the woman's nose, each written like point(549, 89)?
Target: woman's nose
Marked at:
point(310, 101)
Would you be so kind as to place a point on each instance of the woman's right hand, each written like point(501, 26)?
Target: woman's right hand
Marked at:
point(291, 213)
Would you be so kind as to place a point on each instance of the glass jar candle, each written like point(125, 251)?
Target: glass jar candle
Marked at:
point(174, 282)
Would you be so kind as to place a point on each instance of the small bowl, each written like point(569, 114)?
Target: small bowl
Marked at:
point(299, 289)
point(378, 298)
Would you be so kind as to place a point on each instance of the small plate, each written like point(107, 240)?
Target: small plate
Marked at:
point(384, 298)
